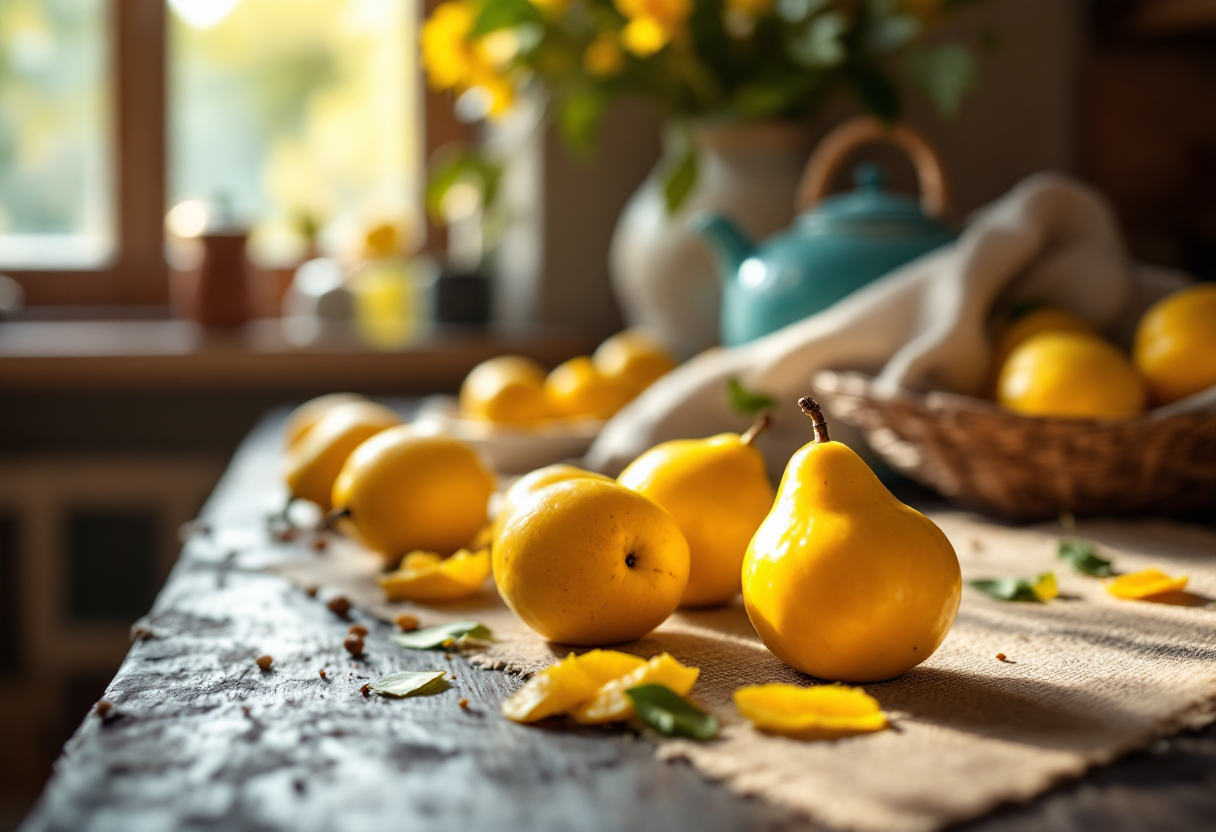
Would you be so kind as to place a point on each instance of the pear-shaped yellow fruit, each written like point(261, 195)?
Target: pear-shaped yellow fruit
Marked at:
point(301, 420)
point(634, 358)
point(530, 483)
point(405, 490)
point(313, 463)
point(1070, 375)
point(843, 581)
point(577, 390)
point(589, 562)
point(718, 491)
point(1175, 347)
point(509, 389)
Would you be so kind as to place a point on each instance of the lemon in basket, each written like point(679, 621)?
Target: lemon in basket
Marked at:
point(1175, 346)
point(1072, 375)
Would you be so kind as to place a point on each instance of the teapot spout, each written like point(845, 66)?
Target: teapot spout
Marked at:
point(729, 243)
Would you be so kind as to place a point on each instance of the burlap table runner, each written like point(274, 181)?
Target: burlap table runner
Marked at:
point(1087, 678)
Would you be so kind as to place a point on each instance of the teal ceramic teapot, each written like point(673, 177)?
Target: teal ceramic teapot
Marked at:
point(835, 245)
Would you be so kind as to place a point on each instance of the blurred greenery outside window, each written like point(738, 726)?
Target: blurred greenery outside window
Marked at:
point(290, 115)
point(56, 149)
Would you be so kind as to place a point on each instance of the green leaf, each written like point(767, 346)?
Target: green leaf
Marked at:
point(410, 683)
point(670, 714)
point(579, 120)
point(680, 179)
point(820, 46)
point(1083, 557)
point(445, 635)
point(747, 402)
point(1014, 589)
point(943, 74)
point(503, 14)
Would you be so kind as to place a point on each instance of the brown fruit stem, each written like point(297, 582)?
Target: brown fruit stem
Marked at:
point(811, 408)
point(332, 517)
point(758, 427)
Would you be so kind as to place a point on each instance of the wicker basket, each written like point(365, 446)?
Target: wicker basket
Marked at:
point(981, 456)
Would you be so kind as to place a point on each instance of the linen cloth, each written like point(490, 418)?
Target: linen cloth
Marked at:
point(1087, 678)
point(924, 326)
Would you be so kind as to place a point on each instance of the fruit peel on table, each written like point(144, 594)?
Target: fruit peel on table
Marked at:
point(818, 713)
point(427, 577)
point(592, 687)
point(1145, 585)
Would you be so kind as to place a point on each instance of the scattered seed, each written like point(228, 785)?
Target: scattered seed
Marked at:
point(365, 690)
point(264, 662)
point(464, 704)
point(1000, 657)
point(320, 544)
point(357, 629)
point(322, 672)
point(977, 545)
point(354, 644)
point(338, 605)
point(312, 591)
point(102, 708)
point(406, 622)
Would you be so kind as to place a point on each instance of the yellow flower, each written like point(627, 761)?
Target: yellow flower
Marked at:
point(446, 51)
point(500, 90)
point(652, 23)
point(603, 56)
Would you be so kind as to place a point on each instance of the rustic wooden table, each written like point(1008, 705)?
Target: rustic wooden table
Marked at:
point(198, 738)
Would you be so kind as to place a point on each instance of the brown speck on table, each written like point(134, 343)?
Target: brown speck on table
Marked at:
point(977, 545)
point(1001, 657)
point(365, 690)
point(354, 644)
point(406, 622)
point(102, 709)
point(464, 704)
point(338, 605)
point(357, 630)
point(322, 673)
point(312, 591)
point(264, 662)
point(320, 544)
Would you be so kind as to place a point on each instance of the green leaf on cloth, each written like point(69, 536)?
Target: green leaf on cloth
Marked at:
point(1042, 588)
point(747, 402)
point(1083, 557)
point(670, 714)
point(410, 683)
point(445, 635)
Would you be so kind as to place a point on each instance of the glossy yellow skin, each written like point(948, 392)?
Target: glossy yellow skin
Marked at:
point(1070, 375)
point(1175, 347)
point(313, 463)
point(577, 389)
point(634, 359)
point(590, 562)
point(509, 390)
point(718, 491)
point(1043, 319)
point(407, 490)
point(301, 420)
point(844, 582)
point(530, 483)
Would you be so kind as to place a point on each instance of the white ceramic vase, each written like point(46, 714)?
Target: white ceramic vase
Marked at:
point(664, 277)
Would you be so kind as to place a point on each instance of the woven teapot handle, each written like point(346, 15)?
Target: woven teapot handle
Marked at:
point(836, 146)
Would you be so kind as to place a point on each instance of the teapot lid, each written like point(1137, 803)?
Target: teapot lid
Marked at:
point(869, 204)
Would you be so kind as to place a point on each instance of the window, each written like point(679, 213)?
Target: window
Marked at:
point(285, 112)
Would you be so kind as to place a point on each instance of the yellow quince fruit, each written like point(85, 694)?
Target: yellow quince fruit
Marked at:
point(1070, 375)
point(530, 483)
point(508, 390)
point(301, 420)
point(1042, 319)
point(577, 390)
point(426, 577)
point(406, 490)
point(1175, 347)
point(634, 359)
point(312, 465)
point(589, 562)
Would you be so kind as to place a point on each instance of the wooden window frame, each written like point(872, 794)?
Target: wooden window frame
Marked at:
point(138, 274)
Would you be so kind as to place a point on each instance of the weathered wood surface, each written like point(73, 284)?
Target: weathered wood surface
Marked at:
point(199, 738)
